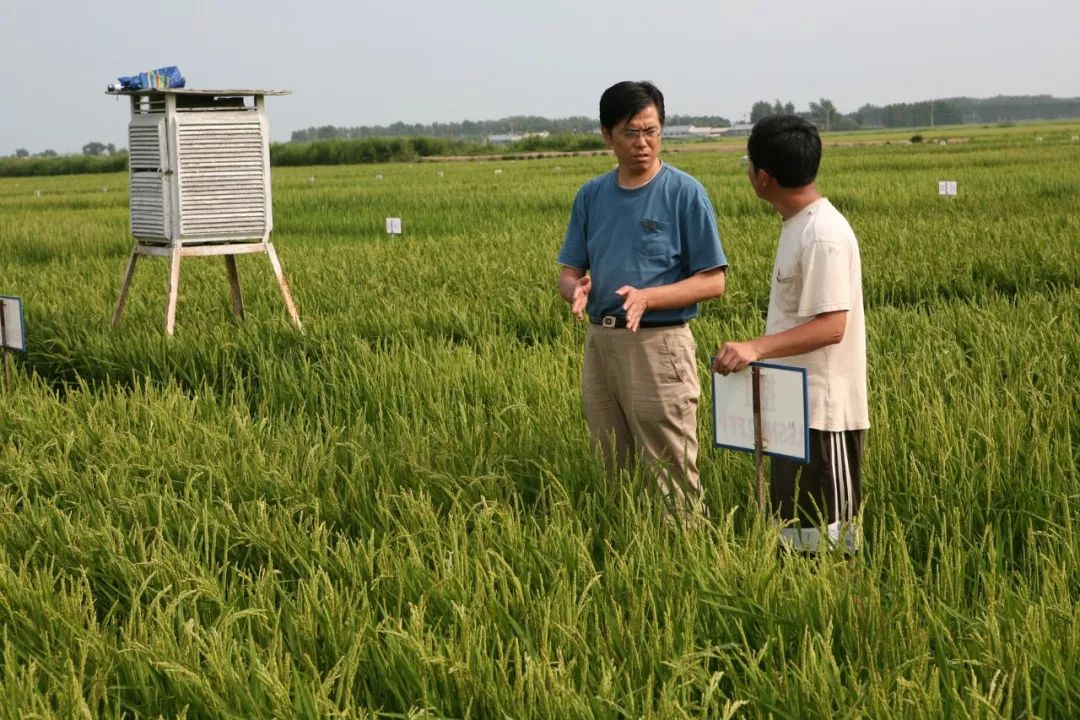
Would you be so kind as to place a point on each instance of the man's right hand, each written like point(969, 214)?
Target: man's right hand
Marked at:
point(574, 286)
point(734, 356)
point(580, 296)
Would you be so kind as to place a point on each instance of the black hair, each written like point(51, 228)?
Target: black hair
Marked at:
point(787, 147)
point(626, 99)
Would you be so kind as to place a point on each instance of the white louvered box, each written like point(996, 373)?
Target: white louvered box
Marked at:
point(200, 166)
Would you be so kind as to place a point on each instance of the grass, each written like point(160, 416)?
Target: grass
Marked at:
point(396, 514)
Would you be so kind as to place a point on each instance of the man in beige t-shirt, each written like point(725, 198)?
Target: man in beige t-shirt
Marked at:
point(815, 321)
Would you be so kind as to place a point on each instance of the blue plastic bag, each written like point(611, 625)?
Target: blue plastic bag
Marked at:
point(161, 79)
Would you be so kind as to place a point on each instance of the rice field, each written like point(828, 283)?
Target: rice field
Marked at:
point(395, 514)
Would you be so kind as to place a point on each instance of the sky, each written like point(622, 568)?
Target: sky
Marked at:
point(374, 63)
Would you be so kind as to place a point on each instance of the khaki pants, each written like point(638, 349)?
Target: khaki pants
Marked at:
point(640, 392)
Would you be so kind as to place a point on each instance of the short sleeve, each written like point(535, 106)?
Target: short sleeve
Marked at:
point(701, 236)
point(826, 277)
point(574, 252)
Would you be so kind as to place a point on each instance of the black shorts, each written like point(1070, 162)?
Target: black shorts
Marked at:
point(824, 495)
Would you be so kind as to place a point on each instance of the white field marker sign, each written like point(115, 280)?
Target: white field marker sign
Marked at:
point(12, 334)
point(784, 411)
point(393, 226)
point(11, 323)
point(946, 188)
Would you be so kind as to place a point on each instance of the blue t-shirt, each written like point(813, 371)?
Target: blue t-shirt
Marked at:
point(654, 235)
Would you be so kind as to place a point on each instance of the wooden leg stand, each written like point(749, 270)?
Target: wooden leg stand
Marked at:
point(174, 289)
point(125, 287)
point(759, 461)
point(177, 251)
point(283, 285)
point(234, 286)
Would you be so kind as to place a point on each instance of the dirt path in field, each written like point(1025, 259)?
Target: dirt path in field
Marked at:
point(688, 148)
point(514, 156)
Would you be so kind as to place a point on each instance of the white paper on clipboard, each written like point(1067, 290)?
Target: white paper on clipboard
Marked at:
point(785, 411)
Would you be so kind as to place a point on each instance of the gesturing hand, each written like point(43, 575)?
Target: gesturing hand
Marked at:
point(581, 296)
point(635, 303)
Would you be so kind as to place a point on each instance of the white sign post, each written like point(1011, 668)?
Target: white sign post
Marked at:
point(763, 409)
point(393, 226)
point(946, 188)
point(11, 332)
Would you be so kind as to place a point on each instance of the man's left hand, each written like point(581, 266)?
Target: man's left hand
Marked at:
point(635, 303)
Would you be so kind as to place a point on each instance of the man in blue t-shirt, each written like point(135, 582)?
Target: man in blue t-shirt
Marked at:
point(641, 250)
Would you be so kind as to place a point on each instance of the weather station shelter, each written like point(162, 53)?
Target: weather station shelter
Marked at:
point(199, 163)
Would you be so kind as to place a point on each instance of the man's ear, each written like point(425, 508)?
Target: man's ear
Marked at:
point(606, 134)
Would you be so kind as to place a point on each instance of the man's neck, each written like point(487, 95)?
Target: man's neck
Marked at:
point(790, 203)
point(632, 181)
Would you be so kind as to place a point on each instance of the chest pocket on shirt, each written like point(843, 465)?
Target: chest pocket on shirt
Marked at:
point(654, 242)
point(788, 281)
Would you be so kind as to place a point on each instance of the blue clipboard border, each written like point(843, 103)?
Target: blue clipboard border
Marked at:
point(22, 322)
point(806, 412)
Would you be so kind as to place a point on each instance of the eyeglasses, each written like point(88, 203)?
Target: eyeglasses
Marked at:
point(648, 133)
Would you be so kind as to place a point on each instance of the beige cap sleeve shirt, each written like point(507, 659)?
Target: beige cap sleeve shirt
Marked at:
point(818, 270)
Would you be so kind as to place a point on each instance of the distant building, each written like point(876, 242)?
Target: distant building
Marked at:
point(740, 130)
point(693, 131)
point(509, 138)
point(707, 132)
point(677, 131)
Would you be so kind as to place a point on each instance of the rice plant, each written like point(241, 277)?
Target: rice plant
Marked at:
point(396, 514)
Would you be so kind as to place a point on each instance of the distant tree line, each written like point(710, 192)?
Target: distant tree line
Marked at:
point(334, 151)
point(97, 149)
point(763, 108)
point(948, 111)
point(698, 120)
point(481, 129)
point(54, 164)
point(349, 151)
point(464, 130)
point(560, 142)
